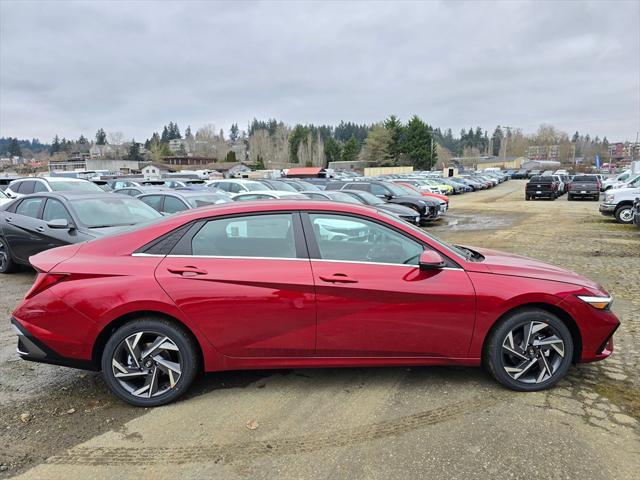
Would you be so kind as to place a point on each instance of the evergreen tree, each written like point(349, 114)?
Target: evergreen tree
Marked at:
point(231, 157)
point(14, 148)
point(187, 133)
point(165, 135)
point(101, 137)
point(332, 150)
point(576, 137)
point(134, 151)
point(350, 150)
point(82, 140)
point(394, 126)
point(55, 146)
point(418, 144)
point(233, 133)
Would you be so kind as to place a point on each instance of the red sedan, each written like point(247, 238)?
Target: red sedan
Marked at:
point(288, 284)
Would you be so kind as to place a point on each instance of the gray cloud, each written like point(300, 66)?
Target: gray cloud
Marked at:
point(69, 67)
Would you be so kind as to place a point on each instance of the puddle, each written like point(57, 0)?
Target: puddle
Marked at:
point(473, 221)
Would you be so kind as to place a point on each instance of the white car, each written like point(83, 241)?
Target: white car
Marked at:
point(621, 178)
point(632, 180)
point(236, 186)
point(3, 198)
point(268, 195)
point(619, 201)
point(28, 185)
point(562, 187)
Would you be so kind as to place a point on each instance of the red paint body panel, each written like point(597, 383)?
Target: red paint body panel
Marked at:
point(277, 313)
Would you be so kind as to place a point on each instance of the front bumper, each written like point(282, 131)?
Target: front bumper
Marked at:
point(32, 349)
point(607, 209)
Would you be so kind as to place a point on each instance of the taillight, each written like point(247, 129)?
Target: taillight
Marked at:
point(44, 281)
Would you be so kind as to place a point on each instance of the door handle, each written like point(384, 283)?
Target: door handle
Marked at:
point(7, 219)
point(39, 229)
point(337, 278)
point(187, 271)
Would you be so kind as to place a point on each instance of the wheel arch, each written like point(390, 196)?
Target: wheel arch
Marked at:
point(562, 314)
point(113, 325)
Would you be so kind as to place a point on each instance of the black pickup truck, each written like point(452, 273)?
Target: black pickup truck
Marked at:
point(541, 187)
point(584, 186)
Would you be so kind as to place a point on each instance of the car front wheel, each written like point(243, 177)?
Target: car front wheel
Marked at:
point(149, 362)
point(528, 351)
point(7, 264)
point(624, 214)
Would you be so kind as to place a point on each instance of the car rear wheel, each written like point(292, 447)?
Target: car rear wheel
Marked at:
point(149, 362)
point(528, 351)
point(624, 214)
point(7, 264)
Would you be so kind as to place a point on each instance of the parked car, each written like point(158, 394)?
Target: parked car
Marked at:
point(46, 220)
point(224, 288)
point(28, 185)
point(428, 209)
point(237, 186)
point(301, 185)
point(5, 181)
point(620, 178)
point(534, 173)
point(3, 198)
point(183, 182)
point(584, 186)
point(134, 191)
point(103, 184)
point(119, 184)
point(169, 202)
point(541, 187)
point(279, 185)
point(443, 205)
point(521, 174)
point(619, 202)
point(366, 198)
point(562, 187)
point(338, 196)
point(268, 195)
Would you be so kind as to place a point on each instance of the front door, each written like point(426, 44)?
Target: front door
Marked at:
point(246, 281)
point(374, 301)
point(24, 230)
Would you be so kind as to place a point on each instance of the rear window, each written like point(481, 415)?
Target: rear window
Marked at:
point(71, 186)
point(542, 179)
point(585, 178)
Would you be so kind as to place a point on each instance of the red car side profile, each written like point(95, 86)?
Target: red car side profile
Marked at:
point(299, 284)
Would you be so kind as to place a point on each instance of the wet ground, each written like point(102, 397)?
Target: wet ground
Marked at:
point(358, 423)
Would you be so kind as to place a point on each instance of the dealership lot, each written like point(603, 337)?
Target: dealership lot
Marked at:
point(360, 423)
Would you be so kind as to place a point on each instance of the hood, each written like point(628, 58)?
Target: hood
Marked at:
point(398, 209)
point(502, 263)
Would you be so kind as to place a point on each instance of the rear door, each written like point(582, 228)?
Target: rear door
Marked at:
point(246, 280)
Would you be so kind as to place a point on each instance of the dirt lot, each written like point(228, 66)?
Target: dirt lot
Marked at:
point(358, 423)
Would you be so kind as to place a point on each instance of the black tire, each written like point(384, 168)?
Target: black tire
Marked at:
point(7, 263)
point(527, 197)
point(624, 214)
point(569, 197)
point(494, 355)
point(188, 353)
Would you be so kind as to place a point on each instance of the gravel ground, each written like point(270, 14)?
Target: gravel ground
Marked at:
point(358, 423)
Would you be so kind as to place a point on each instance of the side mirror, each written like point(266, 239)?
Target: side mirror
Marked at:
point(431, 260)
point(58, 223)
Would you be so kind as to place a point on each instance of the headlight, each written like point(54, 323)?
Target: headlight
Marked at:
point(601, 303)
point(608, 198)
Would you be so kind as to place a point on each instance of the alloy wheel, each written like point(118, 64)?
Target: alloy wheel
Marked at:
point(4, 256)
point(626, 215)
point(147, 364)
point(532, 352)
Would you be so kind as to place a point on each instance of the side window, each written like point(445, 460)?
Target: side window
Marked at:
point(226, 186)
point(29, 207)
point(236, 188)
point(26, 187)
point(252, 236)
point(378, 190)
point(315, 196)
point(345, 238)
point(248, 196)
point(173, 205)
point(356, 186)
point(55, 210)
point(154, 201)
point(39, 187)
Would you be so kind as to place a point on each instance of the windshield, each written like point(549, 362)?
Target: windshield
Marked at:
point(343, 197)
point(3, 195)
point(206, 199)
point(282, 186)
point(254, 186)
point(112, 212)
point(71, 186)
point(413, 192)
point(396, 189)
point(370, 198)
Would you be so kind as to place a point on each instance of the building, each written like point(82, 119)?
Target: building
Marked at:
point(507, 163)
point(355, 165)
point(155, 171)
point(74, 164)
point(541, 165)
point(179, 145)
point(624, 151)
point(305, 172)
point(231, 169)
point(186, 160)
point(543, 152)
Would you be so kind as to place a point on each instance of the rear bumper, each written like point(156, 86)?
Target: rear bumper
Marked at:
point(584, 193)
point(32, 349)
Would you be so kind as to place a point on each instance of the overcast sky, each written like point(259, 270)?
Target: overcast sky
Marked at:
point(72, 67)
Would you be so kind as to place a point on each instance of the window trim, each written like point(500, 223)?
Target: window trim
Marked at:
point(51, 199)
point(314, 249)
point(183, 247)
point(40, 208)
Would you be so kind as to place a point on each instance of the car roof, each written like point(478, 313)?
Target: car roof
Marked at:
point(71, 195)
point(284, 193)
